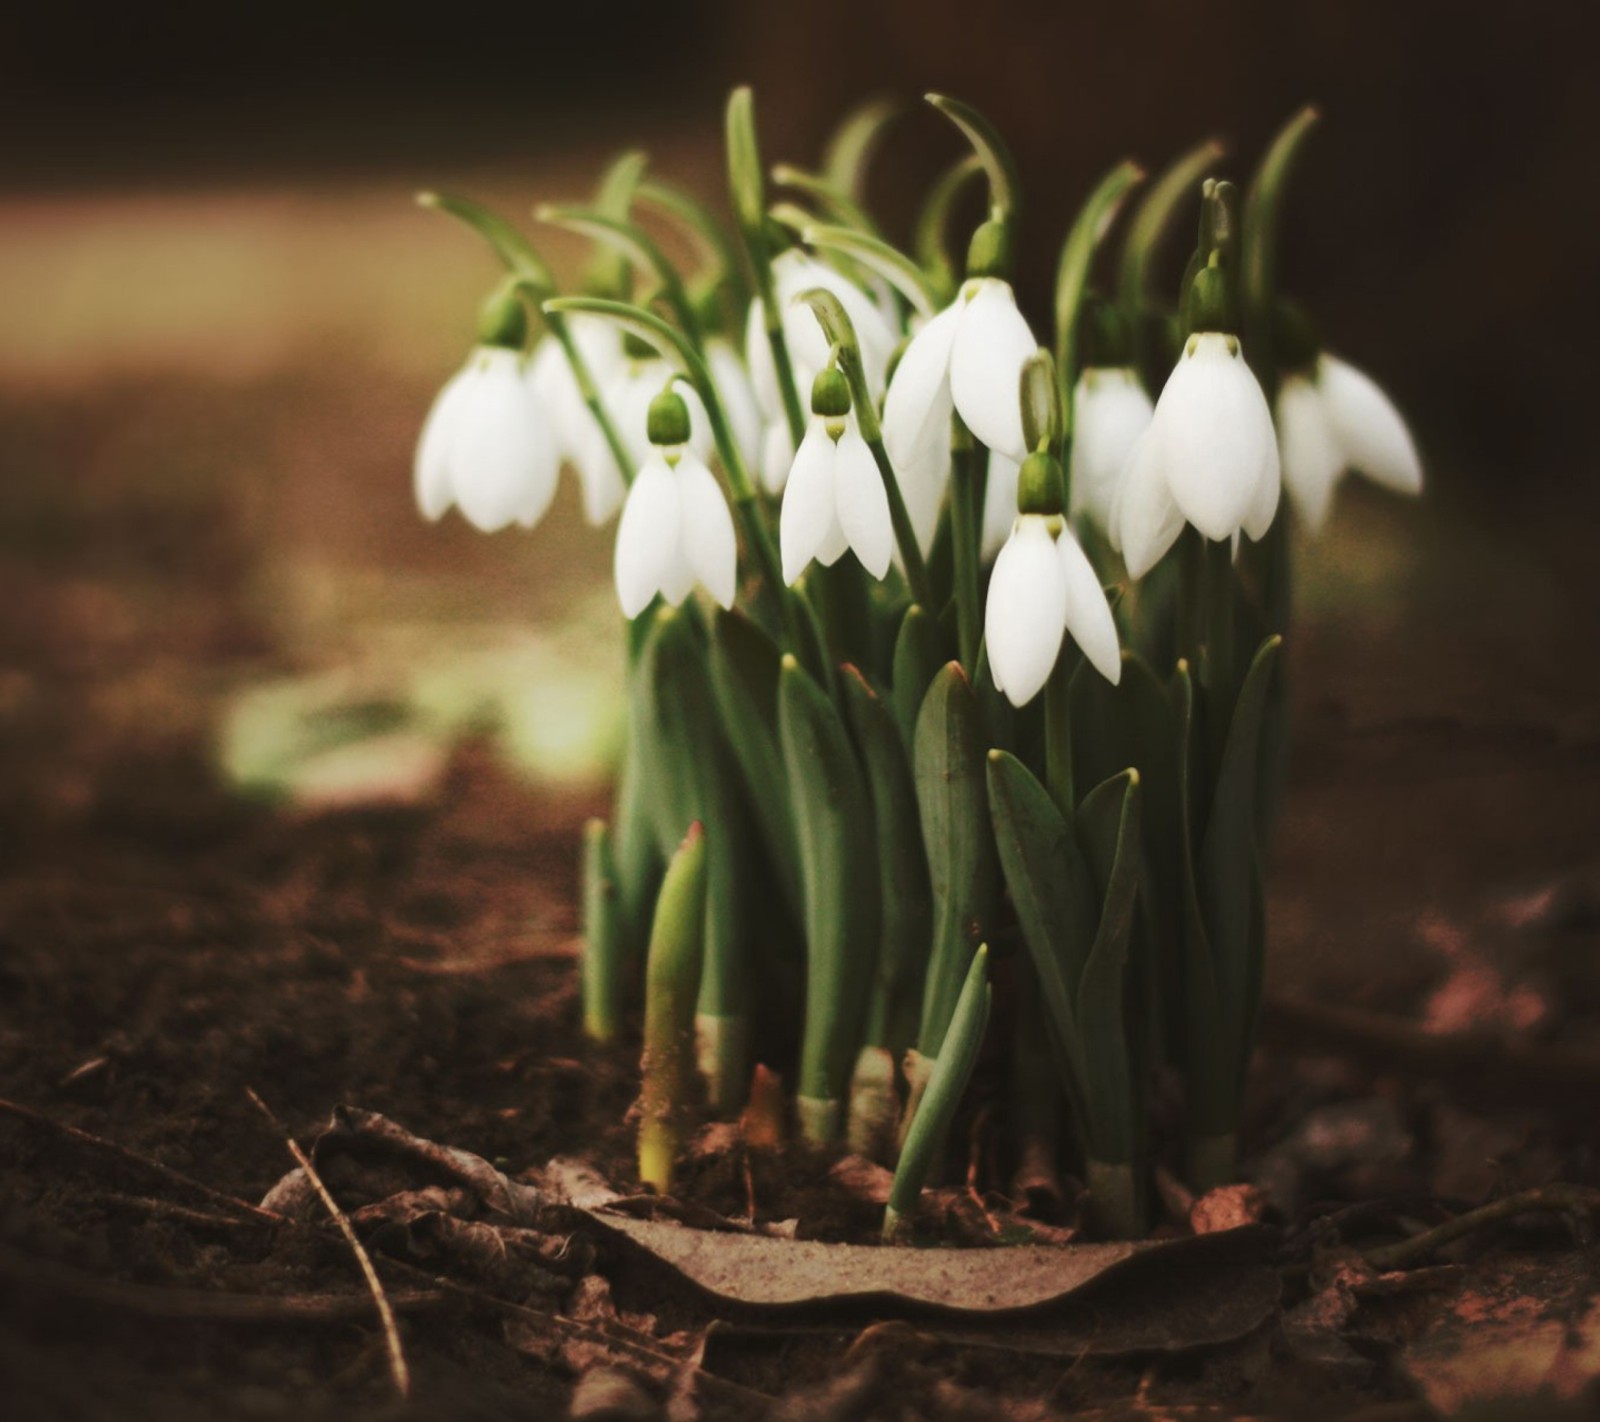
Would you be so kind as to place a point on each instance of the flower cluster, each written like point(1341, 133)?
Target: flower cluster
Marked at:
point(979, 609)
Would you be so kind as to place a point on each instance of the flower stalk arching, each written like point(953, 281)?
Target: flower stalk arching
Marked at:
point(929, 244)
point(837, 327)
point(826, 197)
point(850, 150)
point(1005, 190)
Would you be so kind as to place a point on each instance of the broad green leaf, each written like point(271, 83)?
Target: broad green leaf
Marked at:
point(948, 759)
point(1108, 831)
point(833, 822)
point(919, 652)
point(904, 895)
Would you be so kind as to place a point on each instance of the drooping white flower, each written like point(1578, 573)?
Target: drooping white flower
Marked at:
point(834, 499)
point(999, 504)
point(489, 446)
point(1110, 412)
point(1043, 586)
point(582, 442)
point(738, 394)
point(777, 454)
point(628, 397)
point(968, 358)
point(1334, 419)
point(675, 530)
point(1209, 457)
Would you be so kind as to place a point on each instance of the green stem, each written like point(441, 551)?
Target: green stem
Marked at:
point(1191, 595)
point(1217, 665)
point(966, 535)
point(1058, 736)
point(591, 394)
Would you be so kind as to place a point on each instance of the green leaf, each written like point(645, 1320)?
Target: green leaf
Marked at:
point(1108, 831)
point(1263, 214)
point(948, 758)
point(904, 275)
point(1055, 900)
point(1151, 220)
point(1072, 269)
point(509, 244)
point(857, 138)
point(828, 200)
point(1004, 190)
point(744, 679)
point(1228, 876)
point(948, 1082)
point(932, 251)
point(919, 652)
point(746, 182)
point(603, 978)
point(636, 246)
point(904, 894)
point(834, 827)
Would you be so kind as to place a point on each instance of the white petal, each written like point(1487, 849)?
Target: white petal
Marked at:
point(431, 470)
point(986, 367)
point(738, 399)
point(1110, 412)
point(796, 273)
point(808, 520)
point(1264, 505)
point(999, 503)
point(598, 475)
point(629, 402)
point(758, 357)
point(1089, 618)
point(777, 454)
point(1026, 612)
point(1146, 519)
point(647, 537)
point(1214, 424)
point(862, 505)
point(706, 533)
point(1310, 455)
point(1369, 429)
point(503, 460)
point(918, 407)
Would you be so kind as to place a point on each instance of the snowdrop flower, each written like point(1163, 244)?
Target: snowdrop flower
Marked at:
point(630, 395)
point(834, 498)
point(1110, 412)
point(1043, 587)
point(582, 442)
point(738, 394)
point(489, 444)
point(1332, 418)
point(999, 504)
point(676, 529)
point(1209, 457)
point(795, 273)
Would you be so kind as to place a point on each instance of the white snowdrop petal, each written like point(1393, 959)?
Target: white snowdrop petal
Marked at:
point(794, 274)
point(918, 406)
point(738, 399)
point(1111, 411)
point(1369, 429)
point(1147, 520)
point(706, 532)
point(599, 478)
point(647, 537)
point(1264, 505)
point(807, 518)
point(1309, 454)
point(986, 361)
point(777, 454)
point(1088, 614)
point(758, 359)
point(999, 503)
point(503, 457)
point(862, 504)
point(431, 469)
point(1214, 424)
point(1026, 611)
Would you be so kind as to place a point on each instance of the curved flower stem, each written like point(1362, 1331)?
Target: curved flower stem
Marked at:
point(929, 242)
point(1001, 167)
point(841, 335)
point(850, 149)
point(716, 251)
point(828, 198)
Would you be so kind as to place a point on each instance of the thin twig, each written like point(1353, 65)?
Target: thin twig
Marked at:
point(130, 1157)
point(391, 1334)
point(171, 1210)
point(47, 1276)
point(1564, 1199)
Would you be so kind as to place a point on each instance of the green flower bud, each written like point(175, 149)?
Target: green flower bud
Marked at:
point(1209, 304)
point(668, 420)
point(830, 394)
point(990, 252)
point(503, 320)
point(1039, 484)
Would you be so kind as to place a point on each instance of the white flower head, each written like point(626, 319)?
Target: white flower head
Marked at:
point(1042, 588)
point(582, 442)
point(629, 395)
point(1334, 419)
point(1110, 412)
point(489, 445)
point(676, 529)
point(1209, 457)
point(834, 498)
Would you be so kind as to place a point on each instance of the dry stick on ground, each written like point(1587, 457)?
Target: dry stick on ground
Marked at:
point(143, 1162)
point(1565, 1199)
point(391, 1334)
point(1505, 1066)
point(50, 1278)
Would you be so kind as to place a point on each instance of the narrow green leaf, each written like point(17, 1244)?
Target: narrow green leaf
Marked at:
point(948, 758)
point(1152, 219)
point(857, 138)
point(603, 978)
point(1072, 268)
point(608, 273)
point(1263, 215)
point(948, 1082)
point(919, 652)
point(930, 243)
point(1005, 192)
point(509, 244)
point(746, 182)
point(635, 245)
point(828, 200)
point(834, 827)
point(904, 275)
point(904, 895)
